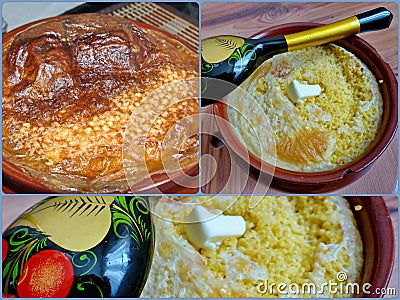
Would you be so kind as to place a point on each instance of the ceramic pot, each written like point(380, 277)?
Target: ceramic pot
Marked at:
point(377, 234)
point(326, 181)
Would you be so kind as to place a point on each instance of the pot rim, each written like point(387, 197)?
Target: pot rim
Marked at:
point(383, 240)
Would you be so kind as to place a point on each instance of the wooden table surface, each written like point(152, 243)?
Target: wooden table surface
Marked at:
point(13, 206)
point(246, 19)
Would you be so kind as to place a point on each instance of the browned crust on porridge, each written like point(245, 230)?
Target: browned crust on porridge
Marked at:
point(70, 87)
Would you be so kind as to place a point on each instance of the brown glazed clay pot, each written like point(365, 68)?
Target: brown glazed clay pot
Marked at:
point(18, 180)
point(326, 181)
point(377, 234)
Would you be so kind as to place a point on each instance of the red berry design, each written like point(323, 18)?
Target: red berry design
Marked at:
point(47, 274)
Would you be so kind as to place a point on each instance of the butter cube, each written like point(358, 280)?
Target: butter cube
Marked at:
point(206, 230)
point(298, 91)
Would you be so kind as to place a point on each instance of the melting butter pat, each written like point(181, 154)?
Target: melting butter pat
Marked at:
point(206, 230)
point(298, 91)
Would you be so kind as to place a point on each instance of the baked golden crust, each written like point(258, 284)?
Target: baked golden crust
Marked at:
point(69, 88)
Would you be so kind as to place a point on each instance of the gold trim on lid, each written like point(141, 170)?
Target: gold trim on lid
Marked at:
point(323, 34)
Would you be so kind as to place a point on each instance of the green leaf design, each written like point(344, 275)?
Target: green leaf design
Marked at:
point(248, 49)
point(244, 51)
point(84, 261)
point(6, 268)
point(129, 217)
point(21, 245)
point(80, 287)
point(121, 200)
point(15, 272)
point(206, 67)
